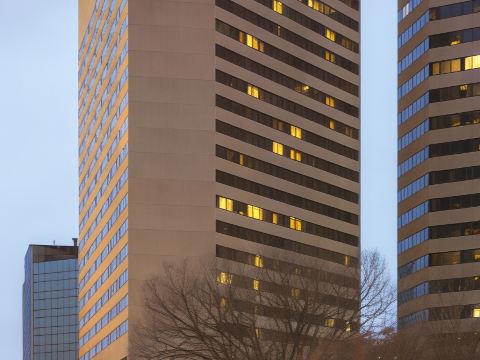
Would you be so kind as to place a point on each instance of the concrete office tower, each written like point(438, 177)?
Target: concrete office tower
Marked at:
point(439, 163)
point(50, 311)
point(211, 128)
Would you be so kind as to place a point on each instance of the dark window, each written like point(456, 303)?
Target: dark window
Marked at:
point(454, 92)
point(455, 37)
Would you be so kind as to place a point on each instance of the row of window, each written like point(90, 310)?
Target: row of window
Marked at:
point(285, 244)
point(108, 201)
point(286, 81)
point(413, 108)
point(290, 222)
point(287, 198)
point(287, 128)
point(454, 92)
point(410, 32)
point(413, 82)
point(439, 204)
point(412, 188)
point(121, 256)
point(285, 151)
point(413, 134)
point(109, 316)
point(439, 232)
point(455, 147)
point(287, 35)
point(285, 57)
point(53, 276)
point(106, 341)
point(454, 120)
point(240, 281)
point(332, 13)
point(48, 289)
point(439, 122)
point(440, 259)
point(407, 9)
point(55, 312)
point(455, 65)
point(285, 104)
point(107, 295)
point(285, 267)
point(454, 312)
point(440, 287)
point(106, 251)
point(455, 37)
point(413, 55)
point(413, 161)
point(453, 10)
point(413, 214)
point(54, 304)
point(310, 24)
point(285, 174)
point(45, 293)
point(48, 268)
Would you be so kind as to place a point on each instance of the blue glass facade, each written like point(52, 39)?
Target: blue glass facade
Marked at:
point(50, 303)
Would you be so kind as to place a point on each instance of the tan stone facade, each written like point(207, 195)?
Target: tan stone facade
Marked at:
point(439, 230)
point(242, 132)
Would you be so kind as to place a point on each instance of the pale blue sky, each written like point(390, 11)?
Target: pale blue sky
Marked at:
point(38, 122)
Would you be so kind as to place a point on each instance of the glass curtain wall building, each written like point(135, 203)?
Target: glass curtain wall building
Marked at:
point(211, 128)
point(439, 163)
point(50, 311)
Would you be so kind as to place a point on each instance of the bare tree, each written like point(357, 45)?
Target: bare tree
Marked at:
point(275, 310)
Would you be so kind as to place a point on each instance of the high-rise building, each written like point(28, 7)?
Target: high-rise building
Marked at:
point(439, 163)
point(211, 128)
point(50, 311)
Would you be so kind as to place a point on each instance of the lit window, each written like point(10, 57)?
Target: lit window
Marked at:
point(295, 292)
point(463, 88)
point(242, 160)
point(330, 323)
point(455, 42)
point(348, 327)
point(253, 91)
point(456, 65)
point(256, 284)
point(254, 43)
point(257, 333)
point(258, 261)
point(476, 255)
point(223, 302)
point(277, 148)
point(330, 34)
point(225, 204)
point(330, 101)
point(329, 56)
point(295, 224)
point(436, 68)
point(255, 212)
point(275, 218)
point(295, 131)
point(224, 278)
point(472, 62)
point(476, 61)
point(476, 312)
point(295, 155)
point(331, 124)
point(346, 260)
point(305, 88)
point(277, 6)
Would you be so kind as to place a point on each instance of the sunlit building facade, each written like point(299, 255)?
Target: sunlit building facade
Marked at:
point(50, 311)
point(439, 163)
point(211, 128)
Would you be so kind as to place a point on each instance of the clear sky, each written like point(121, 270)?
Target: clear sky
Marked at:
point(38, 139)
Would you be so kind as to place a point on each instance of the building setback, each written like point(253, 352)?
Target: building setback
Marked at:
point(50, 311)
point(211, 128)
point(439, 163)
